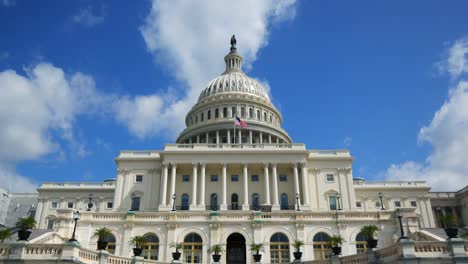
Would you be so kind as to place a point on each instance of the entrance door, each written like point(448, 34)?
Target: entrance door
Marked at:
point(235, 250)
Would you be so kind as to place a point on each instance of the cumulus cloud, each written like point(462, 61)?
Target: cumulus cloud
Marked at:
point(191, 39)
point(87, 17)
point(446, 167)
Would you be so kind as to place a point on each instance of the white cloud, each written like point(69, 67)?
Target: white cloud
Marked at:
point(347, 141)
point(446, 167)
point(86, 17)
point(14, 182)
point(191, 39)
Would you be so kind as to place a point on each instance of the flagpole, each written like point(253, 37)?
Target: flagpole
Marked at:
point(234, 132)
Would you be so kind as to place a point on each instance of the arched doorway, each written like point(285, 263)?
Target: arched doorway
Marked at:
point(235, 249)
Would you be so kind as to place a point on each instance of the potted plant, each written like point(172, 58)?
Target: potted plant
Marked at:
point(370, 231)
point(138, 242)
point(257, 248)
point(102, 234)
point(335, 243)
point(216, 250)
point(25, 224)
point(450, 222)
point(4, 234)
point(176, 254)
point(297, 244)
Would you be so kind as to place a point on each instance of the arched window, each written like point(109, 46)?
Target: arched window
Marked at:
point(196, 119)
point(284, 201)
point(216, 113)
point(202, 117)
point(214, 202)
point(255, 202)
point(321, 248)
point(279, 248)
point(264, 117)
point(234, 201)
point(225, 115)
point(184, 205)
point(233, 112)
point(151, 248)
point(111, 243)
point(258, 115)
point(271, 119)
point(193, 246)
point(242, 112)
point(361, 243)
point(250, 113)
point(208, 115)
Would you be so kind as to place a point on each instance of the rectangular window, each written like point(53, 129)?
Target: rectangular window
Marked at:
point(110, 205)
point(235, 178)
point(185, 178)
point(139, 178)
point(214, 178)
point(283, 178)
point(413, 204)
point(397, 204)
point(358, 204)
point(70, 204)
point(255, 178)
point(54, 205)
point(332, 202)
point(330, 178)
point(50, 224)
point(136, 204)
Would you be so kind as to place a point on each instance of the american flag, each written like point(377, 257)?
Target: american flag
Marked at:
point(240, 122)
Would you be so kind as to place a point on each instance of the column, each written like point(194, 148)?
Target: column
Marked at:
point(194, 184)
point(269, 138)
point(217, 136)
point(266, 181)
point(296, 182)
point(229, 136)
point(276, 205)
point(305, 183)
point(250, 137)
point(207, 138)
point(277, 140)
point(261, 138)
point(240, 136)
point(224, 186)
point(198, 139)
point(201, 200)
point(162, 200)
point(173, 179)
point(245, 205)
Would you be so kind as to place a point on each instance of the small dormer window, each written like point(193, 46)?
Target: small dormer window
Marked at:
point(139, 178)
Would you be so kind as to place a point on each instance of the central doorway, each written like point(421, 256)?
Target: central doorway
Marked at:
point(235, 250)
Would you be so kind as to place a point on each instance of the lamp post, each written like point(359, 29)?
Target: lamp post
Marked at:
point(297, 202)
point(173, 202)
point(381, 201)
point(76, 217)
point(132, 206)
point(338, 196)
point(90, 203)
point(399, 214)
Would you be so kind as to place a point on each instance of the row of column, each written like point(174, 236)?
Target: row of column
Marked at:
point(238, 137)
point(198, 200)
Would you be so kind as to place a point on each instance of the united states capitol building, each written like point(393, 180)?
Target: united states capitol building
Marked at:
point(223, 184)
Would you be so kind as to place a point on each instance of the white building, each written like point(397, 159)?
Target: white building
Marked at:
point(234, 187)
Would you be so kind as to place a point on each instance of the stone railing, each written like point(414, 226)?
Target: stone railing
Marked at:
point(422, 248)
point(204, 146)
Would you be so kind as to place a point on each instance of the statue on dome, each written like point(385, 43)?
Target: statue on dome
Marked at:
point(233, 41)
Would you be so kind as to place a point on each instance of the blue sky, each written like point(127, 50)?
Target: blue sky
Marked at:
point(82, 80)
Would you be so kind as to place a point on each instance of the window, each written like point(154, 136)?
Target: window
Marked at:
point(321, 247)
point(193, 246)
point(271, 119)
point(50, 224)
point(202, 117)
point(214, 178)
point(235, 201)
point(184, 205)
point(358, 204)
point(242, 112)
point(214, 202)
point(225, 114)
point(196, 119)
point(413, 204)
point(111, 245)
point(136, 204)
point(258, 115)
point(233, 112)
point(185, 178)
point(110, 205)
point(208, 116)
point(216, 113)
point(70, 205)
point(361, 243)
point(332, 202)
point(139, 178)
point(151, 248)
point(330, 178)
point(250, 113)
point(54, 205)
point(279, 248)
point(283, 178)
point(234, 178)
point(255, 202)
point(265, 117)
point(255, 178)
point(284, 202)
point(397, 204)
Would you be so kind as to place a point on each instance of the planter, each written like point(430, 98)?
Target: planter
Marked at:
point(101, 245)
point(257, 257)
point(216, 257)
point(336, 250)
point(176, 255)
point(23, 235)
point(297, 255)
point(451, 232)
point(371, 243)
point(137, 252)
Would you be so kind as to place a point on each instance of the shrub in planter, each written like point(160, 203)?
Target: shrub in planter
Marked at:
point(138, 243)
point(216, 250)
point(335, 243)
point(25, 224)
point(297, 244)
point(176, 254)
point(257, 248)
point(102, 234)
point(4, 234)
point(450, 225)
point(370, 232)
